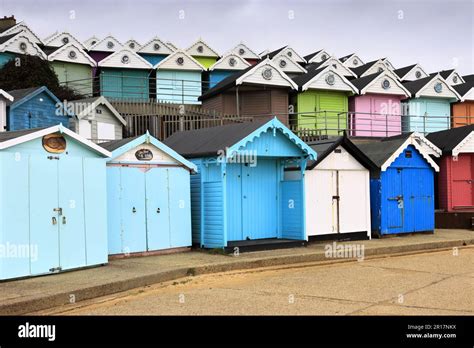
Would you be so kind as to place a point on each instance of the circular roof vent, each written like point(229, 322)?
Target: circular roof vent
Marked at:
point(110, 44)
point(289, 54)
point(380, 69)
point(267, 74)
point(385, 84)
point(125, 59)
point(355, 62)
point(241, 51)
point(455, 79)
point(438, 87)
point(418, 74)
point(65, 40)
point(72, 55)
point(232, 61)
point(93, 43)
point(23, 46)
point(180, 61)
point(324, 57)
point(200, 48)
point(330, 79)
point(131, 45)
point(156, 46)
point(283, 63)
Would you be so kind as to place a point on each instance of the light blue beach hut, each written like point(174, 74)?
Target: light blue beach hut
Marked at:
point(148, 187)
point(240, 197)
point(52, 202)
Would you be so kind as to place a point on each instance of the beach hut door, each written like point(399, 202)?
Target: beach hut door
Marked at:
point(56, 214)
point(395, 201)
point(463, 182)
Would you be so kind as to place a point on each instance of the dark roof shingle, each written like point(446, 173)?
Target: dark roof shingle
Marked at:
point(448, 139)
point(208, 141)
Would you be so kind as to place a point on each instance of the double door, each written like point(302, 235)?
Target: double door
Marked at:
point(57, 224)
point(341, 202)
point(155, 208)
point(409, 199)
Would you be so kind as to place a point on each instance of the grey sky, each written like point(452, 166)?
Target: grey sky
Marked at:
point(437, 34)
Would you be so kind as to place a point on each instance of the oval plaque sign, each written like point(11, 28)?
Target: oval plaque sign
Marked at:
point(144, 155)
point(54, 143)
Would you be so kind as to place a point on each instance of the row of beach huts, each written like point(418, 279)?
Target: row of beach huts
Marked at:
point(317, 91)
point(67, 203)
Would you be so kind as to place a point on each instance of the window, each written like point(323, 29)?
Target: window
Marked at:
point(105, 131)
point(408, 154)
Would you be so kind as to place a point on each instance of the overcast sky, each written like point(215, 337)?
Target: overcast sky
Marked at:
point(437, 34)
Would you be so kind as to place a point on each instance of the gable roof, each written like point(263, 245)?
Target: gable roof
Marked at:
point(331, 61)
point(132, 44)
point(91, 104)
point(117, 60)
point(463, 89)
point(121, 146)
point(103, 45)
point(324, 55)
point(208, 142)
point(58, 38)
point(444, 73)
point(23, 95)
point(239, 78)
point(360, 70)
point(9, 139)
point(22, 27)
point(247, 53)
point(90, 41)
point(170, 62)
point(291, 66)
point(325, 147)
point(448, 140)
point(363, 83)
point(417, 86)
point(344, 58)
point(156, 46)
point(304, 81)
point(6, 95)
point(64, 54)
point(7, 44)
point(291, 53)
point(468, 78)
point(402, 72)
point(224, 63)
point(384, 152)
point(207, 51)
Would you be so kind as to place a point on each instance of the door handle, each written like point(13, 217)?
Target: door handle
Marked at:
point(158, 210)
point(134, 210)
point(54, 221)
point(58, 210)
point(64, 220)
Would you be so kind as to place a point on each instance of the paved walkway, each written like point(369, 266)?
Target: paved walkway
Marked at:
point(430, 283)
point(34, 294)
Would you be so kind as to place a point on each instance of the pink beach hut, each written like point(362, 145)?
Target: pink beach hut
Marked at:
point(376, 110)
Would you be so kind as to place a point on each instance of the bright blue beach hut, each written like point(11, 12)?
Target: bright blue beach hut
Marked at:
point(52, 202)
point(402, 186)
point(239, 195)
point(148, 187)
